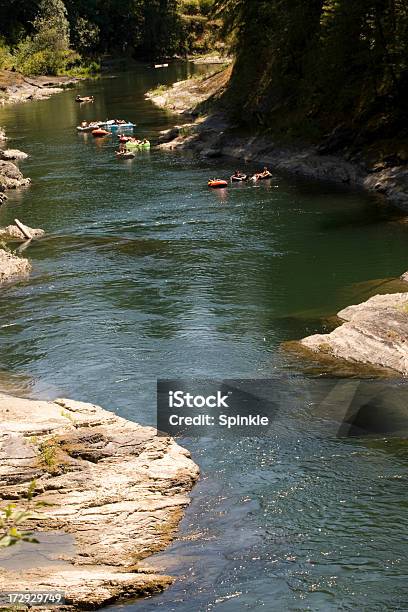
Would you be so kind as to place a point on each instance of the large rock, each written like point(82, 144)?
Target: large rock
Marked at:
point(13, 233)
point(168, 135)
point(10, 154)
point(374, 333)
point(10, 175)
point(12, 267)
point(116, 486)
point(392, 182)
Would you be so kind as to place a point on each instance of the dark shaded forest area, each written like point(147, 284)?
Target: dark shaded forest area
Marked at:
point(305, 67)
point(50, 36)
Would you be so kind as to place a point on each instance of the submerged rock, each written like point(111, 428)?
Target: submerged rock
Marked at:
point(374, 332)
point(116, 486)
point(12, 267)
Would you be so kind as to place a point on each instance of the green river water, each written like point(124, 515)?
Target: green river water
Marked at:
point(147, 273)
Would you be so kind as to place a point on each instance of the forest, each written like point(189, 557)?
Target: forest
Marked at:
point(306, 66)
point(54, 36)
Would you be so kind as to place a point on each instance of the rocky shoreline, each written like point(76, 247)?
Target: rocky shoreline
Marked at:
point(15, 87)
point(116, 487)
point(13, 267)
point(10, 175)
point(212, 135)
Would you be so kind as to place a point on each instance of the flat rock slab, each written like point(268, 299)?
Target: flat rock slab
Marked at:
point(116, 486)
point(12, 267)
point(374, 333)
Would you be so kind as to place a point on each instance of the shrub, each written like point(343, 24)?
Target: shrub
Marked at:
point(6, 58)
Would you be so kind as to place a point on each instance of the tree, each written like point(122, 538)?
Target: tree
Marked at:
point(51, 26)
point(47, 51)
point(318, 63)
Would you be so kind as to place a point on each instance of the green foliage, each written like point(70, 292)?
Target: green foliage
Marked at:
point(85, 35)
point(45, 61)
point(6, 58)
point(51, 26)
point(48, 455)
point(47, 50)
point(160, 89)
point(199, 33)
point(146, 28)
point(83, 70)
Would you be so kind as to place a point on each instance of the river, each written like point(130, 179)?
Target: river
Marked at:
point(147, 273)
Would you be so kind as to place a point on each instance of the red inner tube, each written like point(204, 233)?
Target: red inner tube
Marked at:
point(218, 183)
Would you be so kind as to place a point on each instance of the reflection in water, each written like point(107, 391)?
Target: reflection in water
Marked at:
point(222, 194)
point(146, 273)
point(53, 548)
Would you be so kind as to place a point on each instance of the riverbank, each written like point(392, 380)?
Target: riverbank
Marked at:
point(116, 487)
point(210, 133)
point(184, 97)
point(15, 87)
point(12, 267)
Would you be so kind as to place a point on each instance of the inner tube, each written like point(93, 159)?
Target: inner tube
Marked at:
point(111, 125)
point(99, 132)
point(84, 99)
point(217, 183)
point(137, 145)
